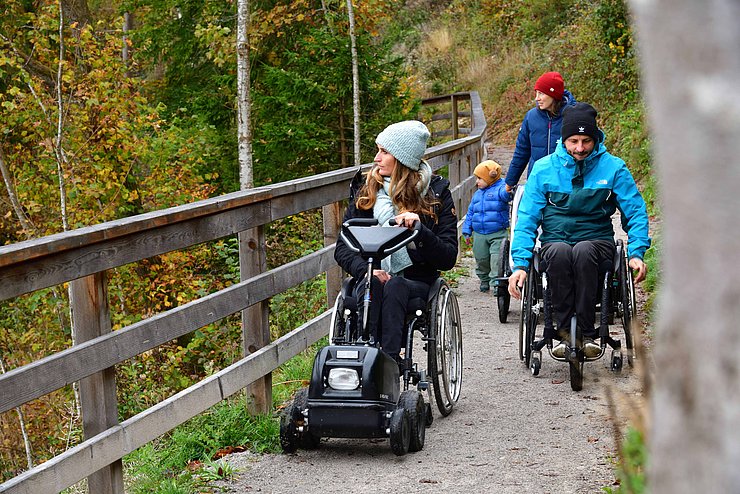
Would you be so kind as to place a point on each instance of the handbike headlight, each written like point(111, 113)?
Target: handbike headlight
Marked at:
point(343, 379)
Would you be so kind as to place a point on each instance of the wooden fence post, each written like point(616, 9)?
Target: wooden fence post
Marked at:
point(332, 218)
point(91, 318)
point(455, 125)
point(255, 319)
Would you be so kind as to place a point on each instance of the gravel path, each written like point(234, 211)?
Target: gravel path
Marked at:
point(509, 433)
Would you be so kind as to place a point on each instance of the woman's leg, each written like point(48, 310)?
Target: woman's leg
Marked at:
point(396, 295)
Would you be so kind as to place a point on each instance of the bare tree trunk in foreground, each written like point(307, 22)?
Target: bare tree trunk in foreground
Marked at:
point(691, 70)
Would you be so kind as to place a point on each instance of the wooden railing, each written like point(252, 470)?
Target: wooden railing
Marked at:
point(83, 256)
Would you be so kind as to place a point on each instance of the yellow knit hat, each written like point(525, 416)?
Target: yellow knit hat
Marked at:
point(489, 171)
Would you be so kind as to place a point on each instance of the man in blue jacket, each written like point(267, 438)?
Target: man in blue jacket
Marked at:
point(572, 194)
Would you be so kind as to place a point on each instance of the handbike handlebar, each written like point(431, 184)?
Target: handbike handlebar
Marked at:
point(378, 242)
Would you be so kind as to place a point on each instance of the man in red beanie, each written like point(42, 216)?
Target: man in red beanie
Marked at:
point(540, 128)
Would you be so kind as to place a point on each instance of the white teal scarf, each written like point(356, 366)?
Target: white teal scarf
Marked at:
point(384, 210)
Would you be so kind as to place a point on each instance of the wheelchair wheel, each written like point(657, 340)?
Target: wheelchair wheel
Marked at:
point(628, 302)
point(337, 326)
point(530, 317)
point(522, 321)
point(343, 327)
point(575, 359)
point(445, 357)
point(413, 401)
point(503, 299)
point(291, 438)
point(576, 375)
point(400, 431)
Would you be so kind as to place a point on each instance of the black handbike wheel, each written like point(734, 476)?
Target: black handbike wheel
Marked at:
point(413, 401)
point(291, 420)
point(400, 431)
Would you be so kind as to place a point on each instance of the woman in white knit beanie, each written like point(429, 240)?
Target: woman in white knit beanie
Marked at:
point(401, 186)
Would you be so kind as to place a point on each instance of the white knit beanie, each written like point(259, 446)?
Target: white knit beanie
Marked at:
point(406, 141)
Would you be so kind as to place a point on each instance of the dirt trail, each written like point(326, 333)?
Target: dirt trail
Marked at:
point(509, 433)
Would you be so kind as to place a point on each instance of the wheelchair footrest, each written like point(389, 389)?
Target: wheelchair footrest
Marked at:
point(540, 344)
point(614, 344)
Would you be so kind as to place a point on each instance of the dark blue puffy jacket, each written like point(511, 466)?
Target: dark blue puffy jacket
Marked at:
point(537, 137)
point(488, 211)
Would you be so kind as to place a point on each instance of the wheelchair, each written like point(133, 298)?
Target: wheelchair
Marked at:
point(501, 282)
point(356, 389)
point(615, 300)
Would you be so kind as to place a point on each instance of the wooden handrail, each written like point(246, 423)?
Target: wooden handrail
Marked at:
point(82, 255)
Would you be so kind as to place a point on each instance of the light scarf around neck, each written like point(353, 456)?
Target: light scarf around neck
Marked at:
point(384, 210)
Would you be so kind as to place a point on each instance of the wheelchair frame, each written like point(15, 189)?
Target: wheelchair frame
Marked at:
point(617, 295)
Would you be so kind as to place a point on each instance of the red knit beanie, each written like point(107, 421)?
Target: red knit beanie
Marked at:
point(551, 84)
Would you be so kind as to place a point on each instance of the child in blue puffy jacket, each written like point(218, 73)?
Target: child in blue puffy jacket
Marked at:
point(487, 220)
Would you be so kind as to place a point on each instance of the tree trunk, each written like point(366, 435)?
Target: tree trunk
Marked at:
point(355, 84)
point(690, 62)
point(28, 228)
point(252, 254)
point(246, 175)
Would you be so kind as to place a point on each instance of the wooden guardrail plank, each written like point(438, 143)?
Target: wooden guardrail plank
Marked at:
point(43, 376)
point(97, 452)
point(72, 263)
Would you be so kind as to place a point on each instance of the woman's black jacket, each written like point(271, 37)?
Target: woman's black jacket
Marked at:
point(435, 248)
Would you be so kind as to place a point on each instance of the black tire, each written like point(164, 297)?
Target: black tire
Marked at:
point(291, 438)
point(576, 375)
point(337, 326)
point(413, 401)
point(503, 299)
point(531, 317)
point(535, 366)
point(445, 352)
point(400, 431)
point(522, 321)
point(628, 302)
point(617, 362)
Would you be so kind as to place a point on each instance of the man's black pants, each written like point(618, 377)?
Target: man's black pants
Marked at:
point(573, 278)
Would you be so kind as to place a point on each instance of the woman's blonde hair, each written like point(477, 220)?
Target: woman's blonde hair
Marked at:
point(405, 193)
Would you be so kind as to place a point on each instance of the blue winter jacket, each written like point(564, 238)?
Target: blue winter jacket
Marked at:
point(537, 138)
point(575, 202)
point(489, 210)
